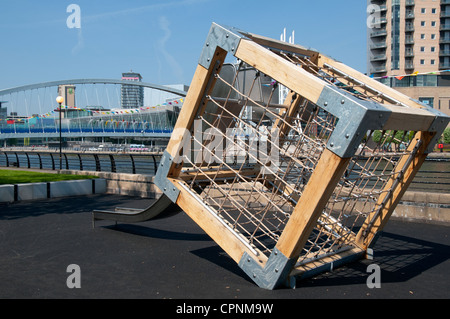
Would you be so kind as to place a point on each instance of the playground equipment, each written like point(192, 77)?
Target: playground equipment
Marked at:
point(291, 188)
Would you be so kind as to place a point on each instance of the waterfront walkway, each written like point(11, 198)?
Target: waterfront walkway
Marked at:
point(173, 258)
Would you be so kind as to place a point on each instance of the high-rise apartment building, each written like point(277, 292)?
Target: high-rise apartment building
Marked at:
point(409, 48)
point(132, 96)
point(68, 93)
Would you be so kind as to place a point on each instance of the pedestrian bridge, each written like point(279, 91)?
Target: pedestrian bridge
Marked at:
point(31, 111)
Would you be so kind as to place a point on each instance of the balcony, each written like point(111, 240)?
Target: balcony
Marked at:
point(410, 3)
point(381, 57)
point(445, 66)
point(444, 27)
point(409, 66)
point(380, 8)
point(444, 40)
point(381, 69)
point(376, 46)
point(445, 14)
point(381, 33)
point(409, 15)
point(409, 54)
point(409, 27)
point(444, 53)
point(409, 40)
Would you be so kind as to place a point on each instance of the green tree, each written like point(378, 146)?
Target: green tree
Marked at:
point(399, 137)
point(446, 136)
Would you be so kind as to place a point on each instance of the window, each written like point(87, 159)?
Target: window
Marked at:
point(433, 10)
point(422, 49)
point(433, 36)
point(422, 36)
point(427, 101)
point(423, 10)
point(422, 61)
point(395, 56)
point(433, 62)
point(433, 49)
point(422, 23)
point(433, 23)
point(425, 80)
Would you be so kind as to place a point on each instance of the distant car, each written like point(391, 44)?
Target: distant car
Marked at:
point(138, 147)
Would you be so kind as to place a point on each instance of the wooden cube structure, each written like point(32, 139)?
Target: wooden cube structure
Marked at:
point(289, 189)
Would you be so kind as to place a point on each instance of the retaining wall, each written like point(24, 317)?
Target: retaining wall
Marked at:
point(124, 184)
point(427, 207)
point(417, 206)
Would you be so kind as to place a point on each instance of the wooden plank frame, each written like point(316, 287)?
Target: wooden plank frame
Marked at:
point(355, 116)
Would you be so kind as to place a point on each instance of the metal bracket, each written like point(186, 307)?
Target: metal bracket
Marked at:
point(274, 274)
point(439, 124)
point(355, 118)
point(161, 181)
point(218, 37)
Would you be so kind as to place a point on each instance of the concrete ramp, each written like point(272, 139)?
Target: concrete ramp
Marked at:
point(133, 215)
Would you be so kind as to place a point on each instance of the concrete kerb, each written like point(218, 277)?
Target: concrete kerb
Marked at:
point(7, 193)
point(33, 191)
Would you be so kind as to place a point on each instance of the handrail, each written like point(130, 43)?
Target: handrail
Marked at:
point(132, 162)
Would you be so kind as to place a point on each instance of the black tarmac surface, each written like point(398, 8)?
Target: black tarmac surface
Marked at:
point(173, 258)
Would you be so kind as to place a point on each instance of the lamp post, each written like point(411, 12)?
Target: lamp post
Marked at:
point(60, 100)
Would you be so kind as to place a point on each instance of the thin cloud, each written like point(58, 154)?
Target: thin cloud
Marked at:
point(164, 25)
point(157, 6)
point(80, 44)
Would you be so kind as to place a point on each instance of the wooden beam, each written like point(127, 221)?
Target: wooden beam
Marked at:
point(377, 219)
point(408, 119)
point(197, 90)
point(327, 263)
point(323, 60)
point(218, 174)
point(321, 185)
point(283, 46)
point(283, 71)
point(222, 235)
point(292, 102)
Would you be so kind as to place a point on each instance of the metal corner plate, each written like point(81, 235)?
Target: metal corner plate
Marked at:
point(161, 180)
point(355, 118)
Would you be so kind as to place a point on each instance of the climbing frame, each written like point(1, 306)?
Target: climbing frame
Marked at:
point(289, 188)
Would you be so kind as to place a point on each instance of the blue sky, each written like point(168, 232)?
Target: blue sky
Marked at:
point(161, 39)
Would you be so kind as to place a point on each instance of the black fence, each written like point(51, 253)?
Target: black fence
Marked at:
point(131, 163)
point(434, 175)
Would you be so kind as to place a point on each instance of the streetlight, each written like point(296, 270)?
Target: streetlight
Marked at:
point(60, 100)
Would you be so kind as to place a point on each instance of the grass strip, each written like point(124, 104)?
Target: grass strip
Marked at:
point(20, 177)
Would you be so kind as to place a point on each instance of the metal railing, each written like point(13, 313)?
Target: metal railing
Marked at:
point(131, 163)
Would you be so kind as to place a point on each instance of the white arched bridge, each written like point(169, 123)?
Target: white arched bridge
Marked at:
point(92, 108)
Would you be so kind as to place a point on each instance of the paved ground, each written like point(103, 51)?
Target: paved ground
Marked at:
point(173, 258)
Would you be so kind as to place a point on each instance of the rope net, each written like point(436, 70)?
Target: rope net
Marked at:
point(254, 157)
